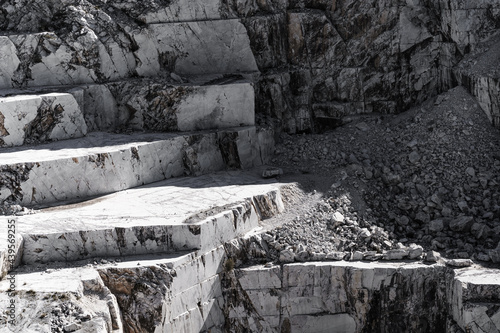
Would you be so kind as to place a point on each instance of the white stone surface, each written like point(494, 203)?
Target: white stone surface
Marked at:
point(336, 296)
point(206, 47)
point(39, 294)
point(11, 250)
point(161, 106)
point(475, 299)
point(8, 62)
point(47, 59)
point(150, 219)
point(192, 300)
point(260, 277)
point(48, 117)
point(102, 162)
point(217, 107)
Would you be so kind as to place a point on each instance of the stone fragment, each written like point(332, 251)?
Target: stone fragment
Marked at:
point(301, 256)
point(436, 225)
point(365, 233)
point(396, 254)
point(72, 327)
point(357, 255)
point(414, 157)
point(495, 254)
point(363, 126)
point(372, 255)
point(432, 256)
point(459, 263)
point(415, 251)
point(461, 223)
point(287, 256)
point(422, 217)
point(272, 172)
point(403, 220)
point(337, 217)
point(471, 171)
point(335, 255)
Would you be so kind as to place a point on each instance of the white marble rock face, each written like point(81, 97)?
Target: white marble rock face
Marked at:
point(102, 163)
point(159, 105)
point(206, 47)
point(50, 58)
point(39, 118)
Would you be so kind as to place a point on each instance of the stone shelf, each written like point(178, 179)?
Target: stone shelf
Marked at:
point(178, 214)
point(102, 163)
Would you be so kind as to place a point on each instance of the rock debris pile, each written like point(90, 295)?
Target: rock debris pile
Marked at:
point(425, 180)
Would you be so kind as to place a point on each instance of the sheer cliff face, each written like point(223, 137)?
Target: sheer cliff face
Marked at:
point(310, 60)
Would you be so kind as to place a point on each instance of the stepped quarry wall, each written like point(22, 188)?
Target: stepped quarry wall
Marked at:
point(83, 66)
point(311, 61)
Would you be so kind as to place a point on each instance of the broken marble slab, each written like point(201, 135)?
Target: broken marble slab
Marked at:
point(160, 105)
point(103, 163)
point(62, 298)
point(178, 214)
point(40, 118)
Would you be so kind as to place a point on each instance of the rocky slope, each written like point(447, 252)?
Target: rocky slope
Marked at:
point(393, 186)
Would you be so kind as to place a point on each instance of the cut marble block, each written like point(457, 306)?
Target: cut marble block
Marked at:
point(44, 58)
point(103, 162)
point(38, 118)
point(475, 300)
point(179, 214)
point(206, 47)
point(156, 105)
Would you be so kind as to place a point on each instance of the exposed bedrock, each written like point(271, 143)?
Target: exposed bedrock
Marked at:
point(360, 297)
point(311, 60)
point(103, 163)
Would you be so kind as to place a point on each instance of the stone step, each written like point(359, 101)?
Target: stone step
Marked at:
point(39, 118)
point(102, 163)
point(161, 105)
point(192, 213)
point(49, 58)
point(54, 112)
point(185, 288)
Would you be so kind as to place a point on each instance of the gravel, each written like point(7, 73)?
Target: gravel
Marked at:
point(379, 186)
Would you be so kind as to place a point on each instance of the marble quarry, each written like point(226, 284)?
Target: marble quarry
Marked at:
point(133, 140)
